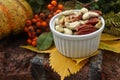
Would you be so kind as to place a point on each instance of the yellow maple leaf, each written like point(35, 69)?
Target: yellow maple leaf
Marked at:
point(78, 60)
point(107, 37)
point(110, 45)
point(64, 66)
point(29, 47)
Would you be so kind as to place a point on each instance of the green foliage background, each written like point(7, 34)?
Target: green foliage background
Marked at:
point(104, 5)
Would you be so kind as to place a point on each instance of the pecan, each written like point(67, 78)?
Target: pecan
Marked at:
point(85, 29)
point(92, 21)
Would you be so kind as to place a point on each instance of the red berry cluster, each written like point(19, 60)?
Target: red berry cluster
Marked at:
point(40, 22)
point(35, 26)
point(55, 7)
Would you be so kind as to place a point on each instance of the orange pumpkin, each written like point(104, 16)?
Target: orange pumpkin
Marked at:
point(13, 14)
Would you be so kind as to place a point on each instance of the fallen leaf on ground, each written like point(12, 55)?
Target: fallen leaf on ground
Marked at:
point(110, 45)
point(78, 60)
point(64, 66)
point(29, 47)
point(108, 37)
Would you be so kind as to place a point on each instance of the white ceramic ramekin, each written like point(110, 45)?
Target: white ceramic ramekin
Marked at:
point(76, 46)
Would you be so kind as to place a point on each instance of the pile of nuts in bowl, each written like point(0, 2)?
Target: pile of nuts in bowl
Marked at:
point(79, 22)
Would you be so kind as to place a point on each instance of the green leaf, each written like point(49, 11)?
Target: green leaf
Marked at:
point(37, 5)
point(44, 41)
point(40, 2)
point(78, 5)
point(112, 23)
point(94, 6)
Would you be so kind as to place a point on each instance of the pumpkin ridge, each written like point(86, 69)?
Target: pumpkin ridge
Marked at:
point(27, 7)
point(5, 29)
point(23, 7)
point(6, 12)
point(18, 14)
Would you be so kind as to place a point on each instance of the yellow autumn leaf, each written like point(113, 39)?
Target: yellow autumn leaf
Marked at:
point(81, 59)
point(110, 45)
point(29, 47)
point(106, 37)
point(64, 66)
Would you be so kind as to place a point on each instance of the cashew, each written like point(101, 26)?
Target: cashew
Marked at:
point(89, 14)
point(67, 19)
point(99, 24)
point(59, 28)
point(72, 25)
point(71, 18)
point(83, 10)
point(56, 21)
point(83, 22)
point(60, 20)
point(68, 31)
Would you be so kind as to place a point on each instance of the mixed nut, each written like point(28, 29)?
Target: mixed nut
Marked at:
point(79, 22)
